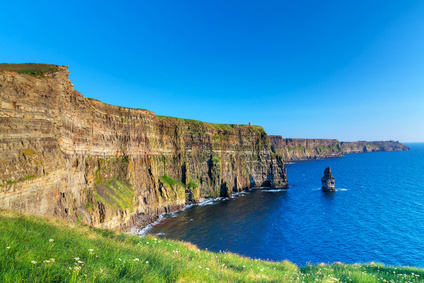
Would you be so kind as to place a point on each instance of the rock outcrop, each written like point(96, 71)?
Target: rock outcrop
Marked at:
point(304, 149)
point(68, 156)
point(328, 183)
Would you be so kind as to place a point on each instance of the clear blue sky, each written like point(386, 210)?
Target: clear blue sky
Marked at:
point(351, 70)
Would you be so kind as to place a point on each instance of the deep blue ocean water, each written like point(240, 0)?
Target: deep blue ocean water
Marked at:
point(376, 215)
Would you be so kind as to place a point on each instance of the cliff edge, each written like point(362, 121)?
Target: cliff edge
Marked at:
point(68, 156)
point(303, 149)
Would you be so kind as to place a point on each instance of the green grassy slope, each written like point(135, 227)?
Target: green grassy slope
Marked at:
point(35, 249)
point(34, 69)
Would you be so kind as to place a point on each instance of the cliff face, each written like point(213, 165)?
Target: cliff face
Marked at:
point(304, 149)
point(64, 155)
point(364, 146)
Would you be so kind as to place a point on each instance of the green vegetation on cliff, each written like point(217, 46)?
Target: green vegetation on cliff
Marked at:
point(202, 126)
point(34, 249)
point(115, 194)
point(33, 69)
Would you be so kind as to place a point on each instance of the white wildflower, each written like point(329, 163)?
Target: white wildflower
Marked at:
point(147, 262)
point(79, 261)
point(136, 259)
point(51, 240)
point(90, 250)
point(7, 247)
point(77, 258)
point(33, 262)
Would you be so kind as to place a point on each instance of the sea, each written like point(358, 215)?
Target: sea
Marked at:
point(376, 214)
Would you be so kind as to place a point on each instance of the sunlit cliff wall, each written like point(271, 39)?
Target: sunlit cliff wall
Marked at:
point(68, 156)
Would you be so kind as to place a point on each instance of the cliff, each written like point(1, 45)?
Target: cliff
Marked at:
point(304, 149)
point(68, 156)
point(373, 146)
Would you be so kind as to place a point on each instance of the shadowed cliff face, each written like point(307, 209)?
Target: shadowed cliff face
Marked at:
point(65, 155)
point(303, 149)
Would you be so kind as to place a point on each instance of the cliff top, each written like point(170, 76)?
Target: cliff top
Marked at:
point(222, 127)
point(33, 69)
point(45, 70)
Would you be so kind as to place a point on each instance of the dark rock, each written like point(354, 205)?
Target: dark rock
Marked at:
point(328, 183)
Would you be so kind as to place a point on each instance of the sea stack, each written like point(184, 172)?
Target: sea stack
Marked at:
point(328, 183)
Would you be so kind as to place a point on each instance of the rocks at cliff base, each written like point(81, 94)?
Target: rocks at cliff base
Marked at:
point(328, 183)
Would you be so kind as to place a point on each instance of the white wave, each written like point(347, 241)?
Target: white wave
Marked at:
point(275, 190)
point(188, 206)
point(341, 189)
point(210, 202)
point(143, 232)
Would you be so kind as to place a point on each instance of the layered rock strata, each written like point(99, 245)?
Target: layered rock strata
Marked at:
point(373, 146)
point(68, 156)
point(304, 149)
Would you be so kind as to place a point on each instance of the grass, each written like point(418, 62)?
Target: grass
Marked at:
point(115, 194)
point(33, 69)
point(174, 189)
point(21, 179)
point(167, 180)
point(34, 249)
point(216, 159)
point(192, 185)
point(205, 125)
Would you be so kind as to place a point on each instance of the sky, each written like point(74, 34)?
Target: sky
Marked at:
point(351, 70)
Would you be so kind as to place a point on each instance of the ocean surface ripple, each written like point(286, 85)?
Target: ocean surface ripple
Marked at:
point(377, 214)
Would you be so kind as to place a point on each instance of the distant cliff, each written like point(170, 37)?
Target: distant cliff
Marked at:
point(69, 156)
point(364, 146)
point(304, 149)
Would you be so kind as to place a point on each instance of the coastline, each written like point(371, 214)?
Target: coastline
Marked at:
point(142, 230)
